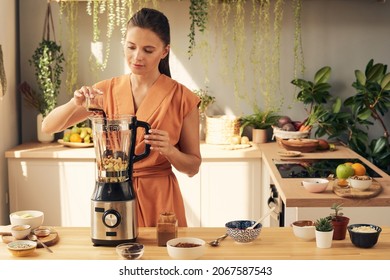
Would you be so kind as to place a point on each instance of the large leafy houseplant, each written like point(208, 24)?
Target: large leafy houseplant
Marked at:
point(368, 107)
point(324, 112)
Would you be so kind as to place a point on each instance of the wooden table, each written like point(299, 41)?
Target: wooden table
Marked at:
point(272, 244)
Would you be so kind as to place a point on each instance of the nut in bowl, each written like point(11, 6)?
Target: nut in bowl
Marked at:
point(130, 251)
point(304, 229)
point(33, 218)
point(239, 230)
point(360, 182)
point(22, 248)
point(364, 235)
point(315, 185)
point(186, 248)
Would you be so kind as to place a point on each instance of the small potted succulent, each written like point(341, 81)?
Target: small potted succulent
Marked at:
point(339, 222)
point(324, 232)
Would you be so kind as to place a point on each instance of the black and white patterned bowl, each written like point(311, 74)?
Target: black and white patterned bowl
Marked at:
point(238, 230)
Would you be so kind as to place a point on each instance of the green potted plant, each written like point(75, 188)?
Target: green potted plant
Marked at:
point(368, 107)
point(260, 121)
point(324, 232)
point(323, 111)
point(339, 222)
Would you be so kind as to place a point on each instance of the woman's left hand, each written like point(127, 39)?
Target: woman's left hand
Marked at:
point(159, 141)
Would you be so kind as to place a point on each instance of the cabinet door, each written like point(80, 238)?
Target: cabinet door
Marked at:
point(190, 190)
point(61, 189)
point(230, 190)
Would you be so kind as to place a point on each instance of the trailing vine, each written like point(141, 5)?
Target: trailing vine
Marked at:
point(198, 12)
point(70, 8)
point(299, 65)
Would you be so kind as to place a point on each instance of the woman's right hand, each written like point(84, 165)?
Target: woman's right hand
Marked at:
point(81, 96)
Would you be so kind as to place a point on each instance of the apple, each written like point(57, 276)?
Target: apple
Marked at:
point(344, 171)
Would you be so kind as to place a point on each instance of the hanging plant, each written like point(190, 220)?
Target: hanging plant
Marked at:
point(3, 78)
point(47, 61)
point(70, 10)
point(198, 11)
point(299, 64)
point(239, 43)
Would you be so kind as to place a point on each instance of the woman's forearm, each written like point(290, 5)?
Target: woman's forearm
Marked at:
point(63, 117)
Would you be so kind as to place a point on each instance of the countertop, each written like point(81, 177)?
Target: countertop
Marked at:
point(272, 244)
point(56, 150)
point(294, 195)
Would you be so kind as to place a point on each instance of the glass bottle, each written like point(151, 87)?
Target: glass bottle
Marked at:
point(166, 228)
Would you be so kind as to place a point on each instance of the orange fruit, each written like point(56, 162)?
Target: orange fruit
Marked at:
point(75, 137)
point(359, 168)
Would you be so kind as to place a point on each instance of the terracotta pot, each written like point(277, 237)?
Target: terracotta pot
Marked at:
point(259, 136)
point(340, 227)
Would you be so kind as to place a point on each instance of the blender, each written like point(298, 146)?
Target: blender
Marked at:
point(113, 202)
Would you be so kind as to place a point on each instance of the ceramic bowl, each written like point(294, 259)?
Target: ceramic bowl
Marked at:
point(238, 230)
point(315, 185)
point(20, 231)
point(360, 182)
point(22, 248)
point(27, 217)
point(304, 229)
point(130, 251)
point(186, 248)
point(364, 235)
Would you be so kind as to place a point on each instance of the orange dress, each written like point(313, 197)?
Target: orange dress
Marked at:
point(165, 106)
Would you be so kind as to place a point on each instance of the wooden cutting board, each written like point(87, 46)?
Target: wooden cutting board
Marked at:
point(49, 240)
point(349, 192)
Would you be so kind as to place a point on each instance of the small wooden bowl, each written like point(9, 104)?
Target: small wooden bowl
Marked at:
point(300, 145)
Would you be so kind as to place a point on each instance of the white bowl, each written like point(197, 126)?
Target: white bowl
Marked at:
point(315, 185)
point(33, 218)
point(360, 182)
point(20, 231)
point(304, 229)
point(185, 253)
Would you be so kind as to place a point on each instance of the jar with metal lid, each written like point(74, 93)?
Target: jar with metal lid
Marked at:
point(166, 228)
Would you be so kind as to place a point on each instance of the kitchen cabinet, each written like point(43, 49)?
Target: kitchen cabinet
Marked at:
point(61, 189)
point(56, 180)
point(59, 181)
point(227, 187)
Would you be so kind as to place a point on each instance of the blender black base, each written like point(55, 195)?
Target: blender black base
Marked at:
point(110, 243)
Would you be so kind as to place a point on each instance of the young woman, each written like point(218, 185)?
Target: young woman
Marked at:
point(153, 96)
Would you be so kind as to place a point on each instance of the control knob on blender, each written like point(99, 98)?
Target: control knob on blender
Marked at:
point(111, 218)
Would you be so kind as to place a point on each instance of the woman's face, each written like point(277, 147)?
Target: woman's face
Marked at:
point(143, 50)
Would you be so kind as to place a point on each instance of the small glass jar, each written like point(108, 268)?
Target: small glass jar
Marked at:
point(166, 228)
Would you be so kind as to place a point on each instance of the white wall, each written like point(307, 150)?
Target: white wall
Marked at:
point(8, 103)
point(341, 34)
